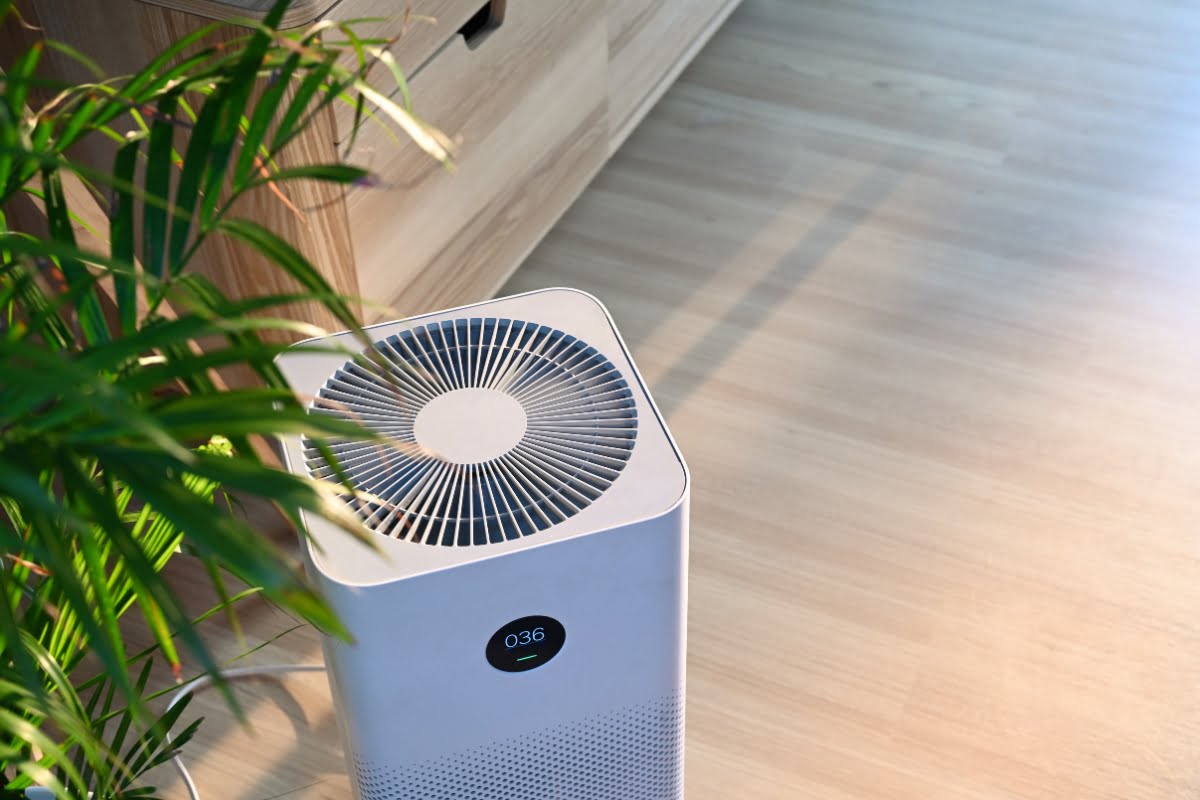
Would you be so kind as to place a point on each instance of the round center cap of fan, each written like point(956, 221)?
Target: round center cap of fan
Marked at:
point(470, 426)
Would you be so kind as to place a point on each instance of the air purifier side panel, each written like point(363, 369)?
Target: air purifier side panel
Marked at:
point(416, 687)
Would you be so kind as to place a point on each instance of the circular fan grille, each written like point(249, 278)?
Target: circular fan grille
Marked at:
point(580, 422)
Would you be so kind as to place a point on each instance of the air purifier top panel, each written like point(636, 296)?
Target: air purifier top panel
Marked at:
point(505, 425)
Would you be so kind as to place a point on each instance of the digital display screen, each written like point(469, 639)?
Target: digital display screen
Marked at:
point(525, 643)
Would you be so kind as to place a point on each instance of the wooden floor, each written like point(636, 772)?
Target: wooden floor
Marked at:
point(917, 285)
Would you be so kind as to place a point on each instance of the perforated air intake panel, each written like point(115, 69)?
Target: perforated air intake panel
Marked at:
point(498, 429)
point(632, 754)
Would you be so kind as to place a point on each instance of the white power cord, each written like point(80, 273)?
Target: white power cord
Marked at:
point(230, 675)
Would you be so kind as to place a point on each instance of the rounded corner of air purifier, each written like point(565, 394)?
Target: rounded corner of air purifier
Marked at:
point(676, 507)
point(579, 294)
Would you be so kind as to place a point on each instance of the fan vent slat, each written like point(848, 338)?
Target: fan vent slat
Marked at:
point(580, 429)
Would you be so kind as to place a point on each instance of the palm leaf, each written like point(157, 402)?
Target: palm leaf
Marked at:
point(289, 260)
point(158, 186)
point(91, 316)
point(101, 479)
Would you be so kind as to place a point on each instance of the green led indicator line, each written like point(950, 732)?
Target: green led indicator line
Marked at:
point(526, 658)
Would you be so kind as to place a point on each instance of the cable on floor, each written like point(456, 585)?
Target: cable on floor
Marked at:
point(204, 681)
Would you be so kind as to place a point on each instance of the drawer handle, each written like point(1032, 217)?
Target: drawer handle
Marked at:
point(482, 23)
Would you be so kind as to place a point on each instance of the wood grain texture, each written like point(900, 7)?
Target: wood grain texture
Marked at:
point(529, 100)
point(916, 286)
point(300, 12)
point(317, 226)
point(532, 134)
point(124, 36)
point(428, 26)
point(649, 44)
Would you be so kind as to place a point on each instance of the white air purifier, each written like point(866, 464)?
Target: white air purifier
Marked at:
point(522, 635)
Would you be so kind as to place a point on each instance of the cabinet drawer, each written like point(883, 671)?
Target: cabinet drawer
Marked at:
point(430, 25)
point(527, 103)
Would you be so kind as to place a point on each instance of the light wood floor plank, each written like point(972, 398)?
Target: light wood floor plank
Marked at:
point(916, 285)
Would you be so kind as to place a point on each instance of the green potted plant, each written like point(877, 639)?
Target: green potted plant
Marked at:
point(116, 431)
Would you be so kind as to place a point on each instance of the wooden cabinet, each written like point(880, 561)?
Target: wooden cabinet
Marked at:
point(538, 93)
point(429, 27)
point(532, 134)
point(649, 44)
